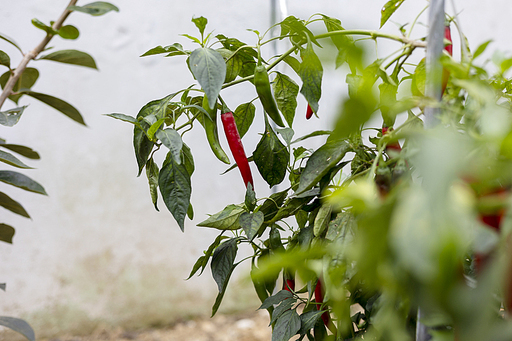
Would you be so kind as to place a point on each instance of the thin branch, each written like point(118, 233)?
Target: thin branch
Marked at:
point(32, 55)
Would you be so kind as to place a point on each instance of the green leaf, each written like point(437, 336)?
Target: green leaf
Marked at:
point(95, 8)
point(200, 23)
point(5, 59)
point(220, 296)
point(223, 260)
point(287, 134)
point(21, 181)
point(287, 325)
point(152, 172)
point(176, 188)
point(141, 143)
point(313, 134)
point(309, 319)
point(244, 116)
point(281, 308)
point(389, 8)
point(18, 325)
point(188, 159)
point(12, 205)
point(234, 64)
point(69, 32)
point(26, 81)
point(10, 117)
point(320, 163)
point(293, 26)
point(322, 219)
point(203, 260)
point(481, 49)
point(42, 26)
point(209, 68)
point(22, 150)
point(227, 219)
point(12, 160)
point(293, 63)
point(58, 104)
point(175, 49)
point(74, 57)
point(250, 198)
point(11, 41)
point(124, 118)
point(333, 24)
point(271, 157)
point(6, 234)
point(251, 223)
point(276, 299)
point(285, 93)
point(311, 72)
point(172, 140)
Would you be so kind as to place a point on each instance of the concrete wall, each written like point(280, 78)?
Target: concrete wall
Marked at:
point(95, 249)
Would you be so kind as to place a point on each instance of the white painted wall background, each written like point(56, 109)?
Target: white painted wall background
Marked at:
point(96, 248)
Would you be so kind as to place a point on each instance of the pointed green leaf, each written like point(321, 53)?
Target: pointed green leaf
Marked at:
point(309, 319)
point(251, 223)
point(287, 325)
point(188, 159)
point(203, 260)
point(10, 41)
point(322, 219)
point(141, 144)
point(220, 296)
point(18, 325)
point(333, 24)
point(311, 73)
point(176, 188)
point(12, 160)
point(234, 64)
point(250, 198)
point(320, 163)
point(124, 118)
point(22, 150)
point(293, 26)
point(69, 32)
point(227, 219)
point(6, 234)
point(222, 261)
point(175, 49)
point(152, 172)
point(172, 140)
point(209, 68)
point(313, 134)
point(389, 8)
point(74, 57)
point(293, 63)
point(5, 59)
point(21, 181)
point(244, 116)
point(281, 308)
point(276, 299)
point(42, 26)
point(26, 81)
point(58, 104)
point(481, 48)
point(271, 157)
point(10, 117)
point(200, 23)
point(285, 93)
point(12, 205)
point(95, 8)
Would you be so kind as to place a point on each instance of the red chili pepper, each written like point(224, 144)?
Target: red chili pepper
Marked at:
point(449, 49)
point(309, 112)
point(319, 298)
point(236, 146)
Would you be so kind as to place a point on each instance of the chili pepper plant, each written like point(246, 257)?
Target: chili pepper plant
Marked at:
point(385, 216)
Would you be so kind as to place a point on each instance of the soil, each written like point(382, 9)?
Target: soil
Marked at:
point(241, 327)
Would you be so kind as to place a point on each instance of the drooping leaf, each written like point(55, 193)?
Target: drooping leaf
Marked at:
point(293, 63)
point(281, 308)
point(5, 59)
point(203, 260)
point(10, 117)
point(96, 8)
point(276, 299)
point(311, 73)
point(222, 261)
point(227, 219)
point(21, 181)
point(287, 325)
point(176, 188)
point(11, 41)
point(12, 205)
point(18, 325)
point(141, 143)
point(244, 116)
point(321, 162)
point(175, 49)
point(69, 32)
point(12, 160)
point(6, 234)
point(389, 8)
point(188, 159)
point(22, 150)
point(220, 296)
point(209, 68)
point(322, 219)
point(251, 223)
point(74, 57)
point(285, 93)
point(250, 198)
point(172, 140)
point(58, 104)
point(152, 172)
point(124, 118)
point(271, 157)
point(309, 319)
point(333, 24)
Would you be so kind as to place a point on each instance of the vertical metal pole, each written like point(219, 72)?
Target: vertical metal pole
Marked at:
point(435, 44)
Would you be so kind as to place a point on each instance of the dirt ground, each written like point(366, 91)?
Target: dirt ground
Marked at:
point(241, 327)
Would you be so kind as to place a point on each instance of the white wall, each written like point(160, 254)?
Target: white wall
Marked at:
point(96, 248)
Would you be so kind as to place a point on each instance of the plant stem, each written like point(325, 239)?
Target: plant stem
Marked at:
point(32, 55)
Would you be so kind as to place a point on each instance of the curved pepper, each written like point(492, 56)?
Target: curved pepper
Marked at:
point(236, 146)
point(262, 84)
point(210, 127)
point(309, 112)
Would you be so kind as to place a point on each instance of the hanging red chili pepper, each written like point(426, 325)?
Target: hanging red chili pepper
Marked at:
point(319, 298)
point(309, 112)
point(236, 146)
